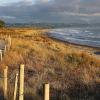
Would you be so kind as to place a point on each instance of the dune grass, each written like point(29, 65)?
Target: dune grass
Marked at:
point(73, 73)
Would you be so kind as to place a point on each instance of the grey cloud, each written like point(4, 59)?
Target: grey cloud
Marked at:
point(50, 10)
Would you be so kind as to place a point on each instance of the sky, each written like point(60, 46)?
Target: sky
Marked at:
point(12, 1)
point(64, 11)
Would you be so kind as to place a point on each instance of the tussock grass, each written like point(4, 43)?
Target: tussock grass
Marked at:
point(73, 73)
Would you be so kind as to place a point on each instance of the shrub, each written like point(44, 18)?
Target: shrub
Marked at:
point(2, 23)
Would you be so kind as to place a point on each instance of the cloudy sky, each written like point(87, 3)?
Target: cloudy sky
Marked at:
point(67, 11)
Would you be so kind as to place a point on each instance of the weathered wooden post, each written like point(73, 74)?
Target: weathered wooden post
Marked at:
point(1, 55)
point(15, 89)
point(46, 91)
point(5, 49)
point(5, 82)
point(9, 40)
point(21, 85)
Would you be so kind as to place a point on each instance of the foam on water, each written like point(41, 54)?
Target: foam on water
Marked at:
point(90, 37)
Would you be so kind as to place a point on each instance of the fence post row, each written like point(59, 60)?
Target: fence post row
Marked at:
point(46, 87)
point(21, 79)
point(46, 91)
point(5, 82)
point(15, 89)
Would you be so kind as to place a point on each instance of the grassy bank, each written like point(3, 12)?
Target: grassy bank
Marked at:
point(72, 72)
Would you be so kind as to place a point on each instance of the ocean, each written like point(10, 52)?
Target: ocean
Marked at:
point(82, 36)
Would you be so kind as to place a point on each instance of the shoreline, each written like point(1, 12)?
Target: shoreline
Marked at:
point(95, 51)
point(72, 43)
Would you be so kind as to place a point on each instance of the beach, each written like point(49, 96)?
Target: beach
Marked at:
point(93, 51)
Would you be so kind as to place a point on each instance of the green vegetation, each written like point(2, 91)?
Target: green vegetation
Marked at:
point(2, 23)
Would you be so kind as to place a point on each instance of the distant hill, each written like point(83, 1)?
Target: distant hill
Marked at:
point(51, 25)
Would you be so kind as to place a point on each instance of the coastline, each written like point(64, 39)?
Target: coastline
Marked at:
point(98, 48)
point(94, 51)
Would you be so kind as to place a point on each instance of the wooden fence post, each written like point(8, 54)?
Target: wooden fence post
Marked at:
point(5, 82)
point(15, 89)
point(5, 49)
point(1, 55)
point(46, 91)
point(21, 86)
point(9, 40)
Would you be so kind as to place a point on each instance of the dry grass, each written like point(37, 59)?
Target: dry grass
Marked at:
point(73, 73)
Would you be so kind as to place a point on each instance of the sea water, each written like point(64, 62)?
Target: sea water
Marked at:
point(82, 36)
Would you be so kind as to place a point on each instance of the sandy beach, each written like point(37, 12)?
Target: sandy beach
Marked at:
point(93, 51)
